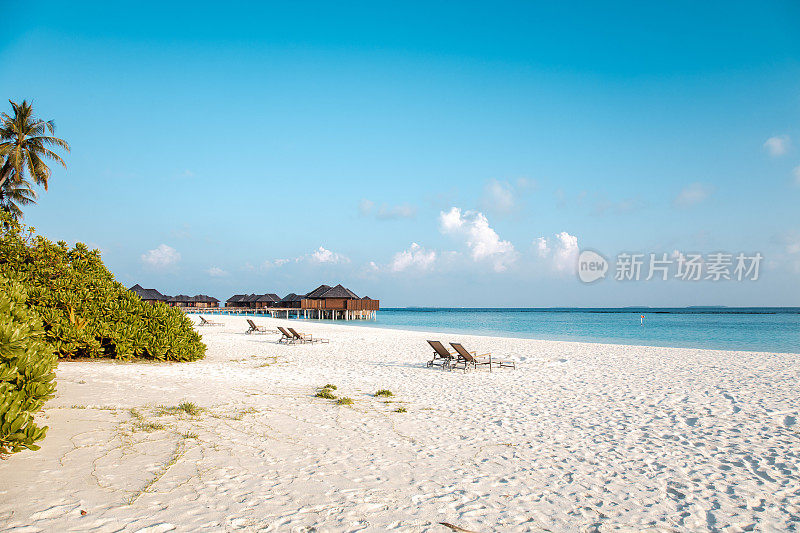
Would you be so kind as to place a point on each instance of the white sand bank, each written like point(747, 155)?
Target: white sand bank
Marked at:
point(579, 437)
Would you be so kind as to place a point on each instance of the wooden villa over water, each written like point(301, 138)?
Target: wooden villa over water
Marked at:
point(324, 302)
point(200, 301)
point(152, 296)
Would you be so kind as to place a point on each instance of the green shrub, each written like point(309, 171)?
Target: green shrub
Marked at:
point(345, 401)
point(325, 393)
point(85, 311)
point(329, 386)
point(384, 392)
point(401, 410)
point(26, 370)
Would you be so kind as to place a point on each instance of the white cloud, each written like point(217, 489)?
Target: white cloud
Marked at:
point(562, 251)
point(502, 197)
point(693, 194)
point(483, 241)
point(396, 212)
point(216, 272)
point(161, 257)
point(778, 145)
point(323, 255)
point(498, 196)
point(386, 212)
point(274, 263)
point(415, 257)
point(796, 173)
point(365, 206)
point(541, 247)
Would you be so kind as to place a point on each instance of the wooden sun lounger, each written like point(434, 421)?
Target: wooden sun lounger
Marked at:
point(258, 329)
point(204, 322)
point(286, 337)
point(471, 359)
point(305, 337)
point(441, 356)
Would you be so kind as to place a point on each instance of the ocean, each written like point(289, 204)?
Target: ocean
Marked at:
point(761, 329)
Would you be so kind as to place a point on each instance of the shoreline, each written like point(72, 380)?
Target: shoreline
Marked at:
point(580, 435)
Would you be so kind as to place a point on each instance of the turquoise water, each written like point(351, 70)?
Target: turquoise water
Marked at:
point(751, 329)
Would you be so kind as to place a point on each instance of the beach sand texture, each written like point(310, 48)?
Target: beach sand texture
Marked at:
point(580, 437)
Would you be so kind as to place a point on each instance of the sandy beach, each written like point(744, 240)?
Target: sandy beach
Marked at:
point(580, 437)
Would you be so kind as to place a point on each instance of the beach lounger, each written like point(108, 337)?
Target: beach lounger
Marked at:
point(441, 356)
point(204, 322)
point(471, 359)
point(286, 337)
point(255, 329)
point(305, 337)
point(259, 329)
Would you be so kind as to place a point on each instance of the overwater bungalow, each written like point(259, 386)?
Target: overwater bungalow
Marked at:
point(233, 301)
point(200, 300)
point(268, 300)
point(150, 296)
point(338, 302)
point(291, 301)
point(324, 302)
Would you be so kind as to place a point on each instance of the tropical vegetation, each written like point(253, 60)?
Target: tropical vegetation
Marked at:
point(58, 301)
point(26, 143)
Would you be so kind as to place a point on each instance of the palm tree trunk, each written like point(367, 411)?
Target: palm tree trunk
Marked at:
point(5, 172)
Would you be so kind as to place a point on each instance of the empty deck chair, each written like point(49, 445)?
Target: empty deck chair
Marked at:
point(441, 356)
point(204, 322)
point(286, 337)
point(470, 359)
point(305, 337)
point(255, 329)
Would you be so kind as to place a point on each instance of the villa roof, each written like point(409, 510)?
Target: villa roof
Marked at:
point(339, 292)
point(148, 294)
point(236, 298)
point(198, 298)
point(366, 298)
point(292, 297)
point(269, 297)
point(318, 292)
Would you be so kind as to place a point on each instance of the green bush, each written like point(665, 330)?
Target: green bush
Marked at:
point(85, 311)
point(26, 370)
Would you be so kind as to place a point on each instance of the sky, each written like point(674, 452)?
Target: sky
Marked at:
point(425, 154)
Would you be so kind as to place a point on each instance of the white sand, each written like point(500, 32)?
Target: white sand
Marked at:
point(579, 437)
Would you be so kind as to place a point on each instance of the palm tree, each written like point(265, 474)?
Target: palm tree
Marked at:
point(13, 195)
point(25, 143)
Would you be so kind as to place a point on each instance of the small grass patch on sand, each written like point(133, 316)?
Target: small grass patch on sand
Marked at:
point(189, 408)
point(329, 386)
point(400, 410)
point(148, 426)
point(345, 401)
point(384, 392)
point(326, 394)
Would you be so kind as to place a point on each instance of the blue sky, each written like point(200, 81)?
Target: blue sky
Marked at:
point(274, 148)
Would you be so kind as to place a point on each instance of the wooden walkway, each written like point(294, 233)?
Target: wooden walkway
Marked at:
point(285, 312)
